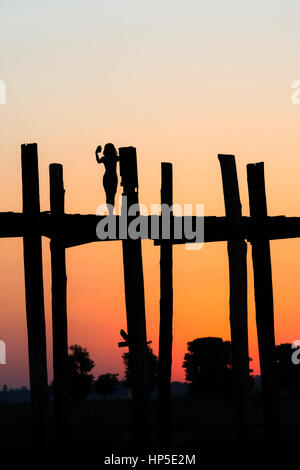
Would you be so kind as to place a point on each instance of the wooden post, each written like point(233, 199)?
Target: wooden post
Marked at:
point(59, 311)
point(34, 293)
point(135, 305)
point(237, 255)
point(261, 258)
point(166, 321)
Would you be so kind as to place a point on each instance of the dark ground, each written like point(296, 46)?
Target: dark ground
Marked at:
point(106, 426)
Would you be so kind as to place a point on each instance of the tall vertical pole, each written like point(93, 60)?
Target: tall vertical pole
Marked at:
point(135, 303)
point(261, 258)
point(237, 255)
point(166, 320)
point(59, 311)
point(34, 293)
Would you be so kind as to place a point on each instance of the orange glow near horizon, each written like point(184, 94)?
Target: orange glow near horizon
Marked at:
point(96, 302)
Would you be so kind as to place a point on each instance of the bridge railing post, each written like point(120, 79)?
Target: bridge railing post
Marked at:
point(135, 305)
point(59, 311)
point(261, 257)
point(34, 293)
point(237, 256)
point(166, 321)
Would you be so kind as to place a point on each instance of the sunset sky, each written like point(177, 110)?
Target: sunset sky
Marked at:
point(181, 81)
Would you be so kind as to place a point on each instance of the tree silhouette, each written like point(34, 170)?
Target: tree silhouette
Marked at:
point(288, 373)
point(153, 369)
point(106, 384)
point(79, 366)
point(208, 367)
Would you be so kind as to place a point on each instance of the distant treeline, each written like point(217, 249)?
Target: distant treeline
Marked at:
point(208, 373)
point(14, 394)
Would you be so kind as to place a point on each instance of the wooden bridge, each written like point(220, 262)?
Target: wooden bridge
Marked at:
point(70, 230)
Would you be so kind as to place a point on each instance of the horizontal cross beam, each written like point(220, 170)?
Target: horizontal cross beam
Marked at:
point(76, 229)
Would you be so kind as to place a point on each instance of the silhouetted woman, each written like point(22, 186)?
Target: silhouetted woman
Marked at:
point(110, 178)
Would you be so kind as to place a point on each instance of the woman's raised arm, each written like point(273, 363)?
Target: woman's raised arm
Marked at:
point(98, 150)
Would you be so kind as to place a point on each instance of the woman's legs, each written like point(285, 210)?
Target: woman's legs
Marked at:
point(110, 184)
point(110, 201)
